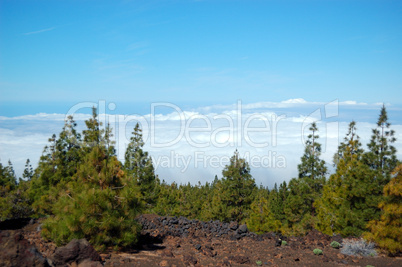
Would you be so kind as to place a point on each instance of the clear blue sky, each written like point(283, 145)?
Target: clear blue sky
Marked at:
point(57, 53)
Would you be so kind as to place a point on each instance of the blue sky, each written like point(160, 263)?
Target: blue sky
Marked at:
point(54, 54)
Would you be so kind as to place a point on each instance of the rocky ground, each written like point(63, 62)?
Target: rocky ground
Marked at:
point(171, 241)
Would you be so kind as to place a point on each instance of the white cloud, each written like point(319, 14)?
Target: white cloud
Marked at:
point(196, 151)
point(295, 101)
point(353, 103)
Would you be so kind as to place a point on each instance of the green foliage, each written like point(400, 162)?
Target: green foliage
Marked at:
point(386, 231)
point(299, 210)
point(311, 165)
point(8, 180)
point(14, 200)
point(15, 203)
point(284, 243)
point(8, 183)
point(277, 201)
point(191, 201)
point(168, 202)
point(57, 165)
point(99, 202)
point(259, 263)
point(233, 195)
point(138, 166)
point(261, 218)
point(382, 154)
point(317, 251)
point(104, 216)
point(88, 193)
point(28, 171)
point(335, 244)
point(351, 196)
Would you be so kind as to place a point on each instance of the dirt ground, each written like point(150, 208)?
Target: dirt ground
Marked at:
point(200, 246)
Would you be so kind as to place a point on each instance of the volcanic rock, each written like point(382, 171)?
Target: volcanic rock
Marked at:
point(76, 251)
point(16, 251)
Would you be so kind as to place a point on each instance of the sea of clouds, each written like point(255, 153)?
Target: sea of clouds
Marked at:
point(195, 144)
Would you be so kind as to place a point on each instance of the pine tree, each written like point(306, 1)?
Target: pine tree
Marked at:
point(68, 150)
point(168, 201)
point(14, 202)
point(277, 199)
point(28, 171)
point(57, 165)
point(233, 194)
point(312, 168)
point(381, 156)
point(100, 202)
point(8, 180)
point(304, 190)
point(350, 197)
point(93, 132)
point(386, 232)
point(261, 218)
point(206, 210)
point(138, 165)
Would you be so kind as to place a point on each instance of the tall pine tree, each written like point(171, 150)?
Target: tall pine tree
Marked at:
point(305, 189)
point(381, 156)
point(350, 197)
point(8, 180)
point(57, 165)
point(139, 167)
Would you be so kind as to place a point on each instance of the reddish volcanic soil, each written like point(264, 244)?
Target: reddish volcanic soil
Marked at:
point(170, 241)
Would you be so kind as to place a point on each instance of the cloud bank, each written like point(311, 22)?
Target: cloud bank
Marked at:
point(195, 145)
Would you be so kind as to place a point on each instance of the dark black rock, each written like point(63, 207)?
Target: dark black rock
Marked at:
point(233, 226)
point(14, 224)
point(242, 229)
point(77, 251)
point(278, 243)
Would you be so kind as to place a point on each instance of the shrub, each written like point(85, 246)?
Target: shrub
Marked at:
point(104, 217)
point(386, 232)
point(358, 247)
point(317, 251)
point(335, 244)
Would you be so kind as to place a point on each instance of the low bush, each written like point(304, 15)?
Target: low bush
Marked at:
point(317, 251)
point(335, 244)
point(358, 247)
